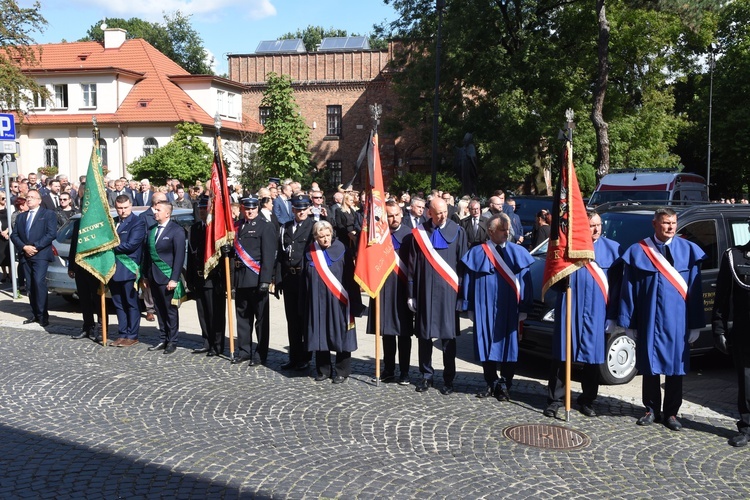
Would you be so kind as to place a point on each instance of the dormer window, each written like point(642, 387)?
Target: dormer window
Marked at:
point(143, 103)
point(83, 57)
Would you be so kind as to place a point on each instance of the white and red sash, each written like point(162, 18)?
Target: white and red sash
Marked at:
point(600, 277)
point(332, 283)
point(502, 268)
point(245, 257)
point(664, 267)
point(400, 268)
point(436, 261)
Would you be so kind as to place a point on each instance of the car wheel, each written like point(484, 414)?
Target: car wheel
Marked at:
point(619, 365)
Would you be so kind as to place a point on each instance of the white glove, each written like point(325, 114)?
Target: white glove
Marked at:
point(522, 317)
point(412, 304)
point(694, 334)
point(633, 334)
point(610, 326)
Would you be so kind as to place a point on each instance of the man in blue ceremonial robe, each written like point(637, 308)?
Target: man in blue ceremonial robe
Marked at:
point(595, 299)
point(434, 257)
point(497, 295)
point(661, 305)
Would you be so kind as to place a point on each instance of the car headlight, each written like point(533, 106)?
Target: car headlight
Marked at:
point(550, 316)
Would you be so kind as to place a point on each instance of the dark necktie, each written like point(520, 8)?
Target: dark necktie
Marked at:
point(158, 233)
point(668, 255)
point(501, 251)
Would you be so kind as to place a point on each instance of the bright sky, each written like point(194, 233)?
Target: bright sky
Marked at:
point(226, 26)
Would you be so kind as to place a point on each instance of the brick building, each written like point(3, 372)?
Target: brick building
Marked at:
point(334, 91)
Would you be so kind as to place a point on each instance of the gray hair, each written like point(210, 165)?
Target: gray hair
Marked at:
point(321, 226)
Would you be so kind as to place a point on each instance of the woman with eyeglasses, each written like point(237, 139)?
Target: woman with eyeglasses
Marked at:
point(66, 210)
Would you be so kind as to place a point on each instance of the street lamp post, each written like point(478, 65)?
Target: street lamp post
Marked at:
point(711, 64)
point(440, 5)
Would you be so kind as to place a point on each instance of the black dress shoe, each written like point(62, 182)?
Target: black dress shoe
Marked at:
point(211, 352)
point(648, 419)
point(424, 385)
point(84, 334)
point(201, 350)
point(551, 410)
point(387, 378)
point(253, 363)
point(170, 348)
point(485, 393)
point(29, 321)
point(158, 347)
point(320, 377)
point(288, 366)
point(44, 322)
point(338, 379)
point(501, 391)
point(446, 390)
point(587, 410)
point(302, 367)
point(404, 380)
point(739, 440)
point(673, 424)
point(241, 359)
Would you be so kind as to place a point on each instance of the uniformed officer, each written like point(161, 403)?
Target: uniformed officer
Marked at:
point(733, 299)
point(254, 257)
point(296, 237)
point(209, 292)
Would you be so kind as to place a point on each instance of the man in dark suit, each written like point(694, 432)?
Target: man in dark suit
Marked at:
point(296, 236)
point(143, 197)
point(475, 226)
point(282, 207)
point(208, 291)
point(164, 260)
point(87, 288)
point(119, 190)
point(415, 217)
point(148, 216)
point(51, 200)
point(33, 237)
point(254, 257)
point(128, 255)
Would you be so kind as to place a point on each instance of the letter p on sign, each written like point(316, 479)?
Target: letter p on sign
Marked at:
point(7, 128)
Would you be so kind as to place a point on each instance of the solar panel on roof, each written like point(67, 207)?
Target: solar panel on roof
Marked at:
point(280, 46)
point(348, 43)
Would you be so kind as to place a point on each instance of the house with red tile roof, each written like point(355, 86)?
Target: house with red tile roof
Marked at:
point(137, 94)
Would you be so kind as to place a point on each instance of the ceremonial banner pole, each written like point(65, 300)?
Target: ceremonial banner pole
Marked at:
point(103, 313)
point(568, 346)
point(377, 340)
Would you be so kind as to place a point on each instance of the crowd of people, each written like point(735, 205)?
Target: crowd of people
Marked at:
point(453, 259)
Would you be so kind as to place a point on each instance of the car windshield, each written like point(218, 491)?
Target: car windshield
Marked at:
point(601, 197)
point(626, 228)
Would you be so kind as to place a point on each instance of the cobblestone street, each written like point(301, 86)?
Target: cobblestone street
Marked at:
point(78, 420)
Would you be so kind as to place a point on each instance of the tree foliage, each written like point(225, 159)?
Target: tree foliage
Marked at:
point(175, 38)
point(312, 36)
point(510, 70)
point(283, 149)
point(413, 182)
point(185, 157)
point(16, 28)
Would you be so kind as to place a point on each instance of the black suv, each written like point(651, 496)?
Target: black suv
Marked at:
point(713, 227)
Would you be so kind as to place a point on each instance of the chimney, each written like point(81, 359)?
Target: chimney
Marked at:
point(114, 38)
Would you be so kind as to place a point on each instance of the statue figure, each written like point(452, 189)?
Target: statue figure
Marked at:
point(466, 165)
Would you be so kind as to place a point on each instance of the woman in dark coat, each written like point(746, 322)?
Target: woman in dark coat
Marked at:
point(332, 300)
point(542, 228)
point(4, 238)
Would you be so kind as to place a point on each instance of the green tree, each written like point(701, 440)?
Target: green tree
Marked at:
point(16, 28)
point(312, 36)
point(414, 182)
point(185, 157)
point(283, 149)
point(175, 38)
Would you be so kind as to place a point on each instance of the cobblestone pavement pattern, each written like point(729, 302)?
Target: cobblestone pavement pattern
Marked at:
point(78, 420)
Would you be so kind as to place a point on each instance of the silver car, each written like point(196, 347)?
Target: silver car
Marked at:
point(58, 280)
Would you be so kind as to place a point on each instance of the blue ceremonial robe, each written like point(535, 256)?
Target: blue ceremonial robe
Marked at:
point(327, 324)
point(652, 305)
point(494, 303)
point(589, 309)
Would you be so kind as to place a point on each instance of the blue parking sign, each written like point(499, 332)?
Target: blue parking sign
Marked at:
point(7, 127)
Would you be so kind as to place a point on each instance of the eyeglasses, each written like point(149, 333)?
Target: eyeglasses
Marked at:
point(317, 197)
point(64, 199)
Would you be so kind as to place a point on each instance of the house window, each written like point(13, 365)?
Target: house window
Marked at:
point(149, 146)
point(89, 95)
point(103, 152)
point(265, 114)
point(334, 171)
point(50, 153)
point(39, 101)
point(334, 120)
point(61, 96)
point(220, 97)
point(230, 104)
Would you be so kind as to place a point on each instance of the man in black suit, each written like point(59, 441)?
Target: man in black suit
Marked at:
point(254, 257)
point(475, 226)
point(296, 236)
point(165, 256)
point(51, 200)
point(33, 237)
point(128, 255)
point(415, 217)
point(208, 291)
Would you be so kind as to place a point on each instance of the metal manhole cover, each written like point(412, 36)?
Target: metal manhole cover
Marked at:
point(553, 437)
